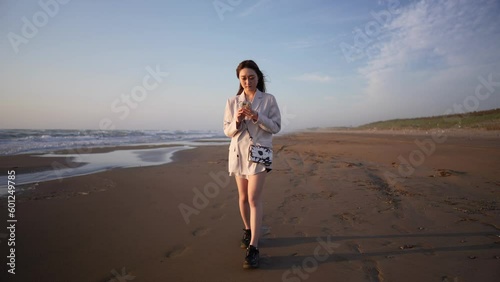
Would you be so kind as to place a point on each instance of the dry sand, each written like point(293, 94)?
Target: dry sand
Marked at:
point(338, 207)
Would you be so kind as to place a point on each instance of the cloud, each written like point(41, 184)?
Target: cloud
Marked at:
point(432, 58)
point(313, 77)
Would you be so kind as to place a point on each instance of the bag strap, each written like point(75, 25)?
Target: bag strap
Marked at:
point(246, 125)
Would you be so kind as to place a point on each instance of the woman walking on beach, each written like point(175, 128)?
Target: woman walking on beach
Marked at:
point(250, 119)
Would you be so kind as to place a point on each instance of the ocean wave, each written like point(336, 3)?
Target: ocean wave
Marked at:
point(20, 141)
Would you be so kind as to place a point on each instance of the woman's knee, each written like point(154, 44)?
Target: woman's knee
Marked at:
point(243, 199)
point(254, 201)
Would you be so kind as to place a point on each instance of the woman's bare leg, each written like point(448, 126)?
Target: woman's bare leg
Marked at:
point(255, 186)
point(242, 184)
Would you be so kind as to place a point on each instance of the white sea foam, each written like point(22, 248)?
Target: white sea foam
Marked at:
point(22, 141)
point(95, 162)
point(13, 142)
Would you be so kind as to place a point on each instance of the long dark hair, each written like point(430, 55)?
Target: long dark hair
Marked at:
point(261, 85)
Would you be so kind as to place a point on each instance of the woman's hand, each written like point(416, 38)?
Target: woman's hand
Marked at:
point(241, 115)
point(246, 112)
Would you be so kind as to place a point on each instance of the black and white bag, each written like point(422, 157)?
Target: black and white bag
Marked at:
point(259, 154)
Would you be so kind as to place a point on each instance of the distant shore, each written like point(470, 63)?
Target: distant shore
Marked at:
point(465, 132)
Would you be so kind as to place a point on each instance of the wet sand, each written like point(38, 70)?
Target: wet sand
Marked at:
point(338, 207)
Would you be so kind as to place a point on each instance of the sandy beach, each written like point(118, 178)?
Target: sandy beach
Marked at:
point(338, 207)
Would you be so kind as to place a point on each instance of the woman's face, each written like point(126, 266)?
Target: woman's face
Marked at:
point(248, 80)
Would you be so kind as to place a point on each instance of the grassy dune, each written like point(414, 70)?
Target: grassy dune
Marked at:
point(487, 120)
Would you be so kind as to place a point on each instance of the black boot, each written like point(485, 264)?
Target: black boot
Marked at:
point(247, 236)
point(251, 258)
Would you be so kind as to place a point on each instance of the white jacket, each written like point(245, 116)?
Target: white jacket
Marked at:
point(268, 123)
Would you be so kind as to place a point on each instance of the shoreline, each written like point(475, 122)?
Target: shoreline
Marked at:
point(56, 167)
point(109, 148)
point(327, 195)
point(38, 163)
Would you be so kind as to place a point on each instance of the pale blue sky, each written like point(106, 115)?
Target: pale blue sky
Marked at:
point(407, 59)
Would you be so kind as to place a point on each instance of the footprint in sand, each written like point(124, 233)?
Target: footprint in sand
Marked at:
point(176, 251)
point(445, 173)
point(294, 220)
point(449, 279)
point(265, 231)
point(279, 220)
point(219, 205)
point(218, 216)
point(326, 231)
point(349, 164)
point(355, 247)
point(200, 231)
point(372, 271)
point(300, 234)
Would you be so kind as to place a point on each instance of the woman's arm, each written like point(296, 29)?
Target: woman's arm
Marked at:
point(272, 122)
point(231, 124)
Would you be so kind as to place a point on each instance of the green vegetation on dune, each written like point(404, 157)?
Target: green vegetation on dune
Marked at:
point(488, 120)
